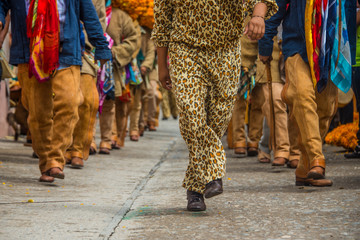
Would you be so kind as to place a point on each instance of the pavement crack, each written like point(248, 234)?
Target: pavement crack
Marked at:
point(121, 214)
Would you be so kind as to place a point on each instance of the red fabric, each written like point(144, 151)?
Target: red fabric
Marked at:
point(46, 26)
point(316, 30)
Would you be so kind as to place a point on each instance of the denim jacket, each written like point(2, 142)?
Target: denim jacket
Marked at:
point(292, 18)
point(70, 52)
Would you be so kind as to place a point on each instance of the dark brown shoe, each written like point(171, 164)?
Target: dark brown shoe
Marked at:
point(213, 188)
point(195, 201)
point(252, 151)
point(56, 173)
point(279, 161)
point(45, 178)
point(292, 163)
point(104, 151)
point(77, 163)
point(313, 182)
point(240, 151)
point(115, 145)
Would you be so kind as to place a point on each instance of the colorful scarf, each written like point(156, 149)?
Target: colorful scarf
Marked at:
point(43, 29)
point(105, 80)
point(340, 55)
point(327, 43)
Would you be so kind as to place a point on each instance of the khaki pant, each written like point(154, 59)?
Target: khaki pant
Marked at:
point(238, 122)
point(136, 97)
point(84, 129)
point(311, 111)
point(111, 110)
point(282, 146)
point(53, 113)
point(256, 116)
point(168, 104)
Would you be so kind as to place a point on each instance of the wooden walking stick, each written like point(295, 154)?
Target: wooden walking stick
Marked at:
point(272, 112)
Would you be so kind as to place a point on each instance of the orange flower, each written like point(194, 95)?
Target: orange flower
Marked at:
point(343, 136)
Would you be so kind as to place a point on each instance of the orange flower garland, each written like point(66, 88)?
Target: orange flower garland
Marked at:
point(147, 19)
point(343, 136)
point(134, 8)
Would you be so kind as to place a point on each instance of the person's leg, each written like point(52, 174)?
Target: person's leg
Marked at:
point(356, 89)
point(294, 136)
point(205, 94)
point(264, 149)
point(299, 94)
point(239, 134)
point(106, 122)
point(122, 114)
point(173, 108)
point(151, 106)
point(282, 146)
point(256, 118)
point(135, 112)
point(165, 105)
point(83, 132)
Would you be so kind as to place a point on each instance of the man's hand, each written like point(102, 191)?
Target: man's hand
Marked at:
point(164, 78)
point(265, 59)
point(144, 70)
point(102, 62)
point(255, 29)
point(1, 25)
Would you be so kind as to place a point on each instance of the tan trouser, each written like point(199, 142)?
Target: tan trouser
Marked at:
point(256, 116)
point(312, 112)
point(136, 93)
point(238, 122)
point(111, 110)
point(53, 113)
point(294, 137)
point(282, 145)
point(168, 104)
point(84, 130)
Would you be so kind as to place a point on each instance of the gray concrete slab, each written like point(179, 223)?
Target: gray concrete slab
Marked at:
point(136, 193)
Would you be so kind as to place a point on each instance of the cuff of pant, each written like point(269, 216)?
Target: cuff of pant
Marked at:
point(263, 154)
point(240, 144)
point(77, 154)
point(105, 145)
point(281, 155)
point(253, 144)
point(134, 132)
point(294, 157)
point(54, 164)
point(67, 155)
point(113, 138)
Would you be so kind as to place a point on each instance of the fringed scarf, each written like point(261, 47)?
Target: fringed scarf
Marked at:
point(327, 43)
point(105, 79)
point(43, 29)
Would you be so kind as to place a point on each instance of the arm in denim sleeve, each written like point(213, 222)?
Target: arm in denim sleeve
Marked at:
point(4, 8)
point(94, 30)
point(271, 25)
point(163, 14)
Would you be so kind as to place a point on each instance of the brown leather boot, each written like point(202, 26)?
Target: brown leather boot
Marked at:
point(56, 173)
point(45, 178)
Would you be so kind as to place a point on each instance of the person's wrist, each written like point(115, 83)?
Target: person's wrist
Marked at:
point(258, 16)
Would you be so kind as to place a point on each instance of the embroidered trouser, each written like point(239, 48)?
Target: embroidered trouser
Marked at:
point(53, 113)
point(84, 129)
point(311, 111)
point(205, 84)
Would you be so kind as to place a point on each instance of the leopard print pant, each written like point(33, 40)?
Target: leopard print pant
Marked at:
point(205, 83)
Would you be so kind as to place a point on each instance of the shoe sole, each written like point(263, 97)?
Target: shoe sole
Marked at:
point(196, 209)
point(105, 153)
point(252, 154)
point(315, 175)
point(77, 166)
point(212, 194)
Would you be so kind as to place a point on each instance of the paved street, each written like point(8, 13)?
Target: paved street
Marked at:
point(136, 193)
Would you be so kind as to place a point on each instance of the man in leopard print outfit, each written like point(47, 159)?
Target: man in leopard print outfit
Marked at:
point(202, 40)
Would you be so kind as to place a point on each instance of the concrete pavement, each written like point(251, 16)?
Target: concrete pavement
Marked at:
point(136, 193)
